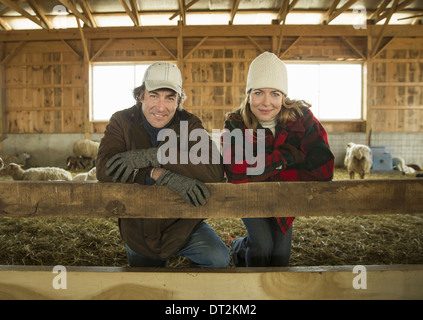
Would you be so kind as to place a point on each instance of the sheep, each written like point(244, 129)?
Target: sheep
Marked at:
point(358, 159)
point(86, 176)
point(75, 163)
point(35, 174)
point(86, 148)
point(19, 158)
point(1, 163)
point(398, 163)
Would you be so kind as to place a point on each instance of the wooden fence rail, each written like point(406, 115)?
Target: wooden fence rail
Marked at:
point(96, 200)
point(335, 198)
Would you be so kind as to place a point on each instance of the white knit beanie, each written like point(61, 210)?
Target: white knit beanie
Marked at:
point(267, 71)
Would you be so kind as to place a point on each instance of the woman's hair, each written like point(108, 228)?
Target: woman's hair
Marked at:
point(139, 91)
point(291, 109)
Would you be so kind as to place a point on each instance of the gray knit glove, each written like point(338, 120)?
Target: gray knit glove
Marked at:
point(191, 190)
point(121, 165)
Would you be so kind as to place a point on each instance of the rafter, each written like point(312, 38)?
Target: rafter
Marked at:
point(21, 11)
point(380, 37)
point(40, 13)
point(345, 7)
point(128, 11)
point(134, 8)
point(182, 11)
point(234, 10)
point(330, 11)
point(285, 9)
point(189, 5)
point(71, 7)
point(87, 12)
point(399, 7)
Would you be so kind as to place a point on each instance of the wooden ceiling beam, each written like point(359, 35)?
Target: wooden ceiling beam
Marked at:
point(216, 31)
point(398, 8)
point(234, 10)
point(135, 12)
point(382, 31)
point(328, 13)
point(189, 5)
point(182, 11)
point(128, 11)
point(40, 13)
point(345, 7)
point(24, 13)
point(71, 7)
point(87, 12)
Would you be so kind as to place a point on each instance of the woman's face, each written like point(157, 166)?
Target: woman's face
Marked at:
point(265, 103)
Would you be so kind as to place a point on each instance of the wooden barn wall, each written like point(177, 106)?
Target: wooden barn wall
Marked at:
point(397, 87)
point(46, 83)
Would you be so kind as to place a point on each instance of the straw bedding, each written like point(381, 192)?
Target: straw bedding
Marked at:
point(390, 239)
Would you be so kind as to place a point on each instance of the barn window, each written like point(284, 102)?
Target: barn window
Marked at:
point(112, 87)
point(334, 90)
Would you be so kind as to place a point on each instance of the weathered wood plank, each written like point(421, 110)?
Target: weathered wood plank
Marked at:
point(340, 282)
point(335, 198)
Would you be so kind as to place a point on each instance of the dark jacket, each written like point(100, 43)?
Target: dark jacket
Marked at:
point(155, 238)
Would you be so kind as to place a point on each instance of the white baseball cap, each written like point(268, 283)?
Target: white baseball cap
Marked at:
point(163, 75)
point(267, 71)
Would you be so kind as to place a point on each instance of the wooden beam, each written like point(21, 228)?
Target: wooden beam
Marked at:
point(182, 11)
point(325, 19)
point(128, 11)
point(398, 7)
point(254, 42)
point(368, 282)
point(166, 49)
point(196, 47)
point(40, 13)
point(21, 11)
point(68, 4)
point(234, 10)
point(341, 10)
point(72, 49)
point(87, 12)
point(270, 199)
point(12, 54)
point(382, 31)
point(216, 31)
point(189, 5)
point(353, 47)
point(135, 13)
point(102, 48)
point(290, 46)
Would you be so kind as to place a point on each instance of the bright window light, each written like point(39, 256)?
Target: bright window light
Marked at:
point(112, 87)
point(334, 90)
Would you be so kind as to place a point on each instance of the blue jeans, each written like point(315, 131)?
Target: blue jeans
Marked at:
point(204, 248)
point(264, 246)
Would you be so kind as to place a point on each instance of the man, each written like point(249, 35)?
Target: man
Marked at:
point(129, 152)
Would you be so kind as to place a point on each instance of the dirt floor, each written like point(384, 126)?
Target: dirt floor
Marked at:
point(389, 239)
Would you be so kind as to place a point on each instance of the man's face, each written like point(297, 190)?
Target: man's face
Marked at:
point(159, 106)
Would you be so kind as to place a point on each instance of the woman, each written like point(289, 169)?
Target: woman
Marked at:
point(295, 148)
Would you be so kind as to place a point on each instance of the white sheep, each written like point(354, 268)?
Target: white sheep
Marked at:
point(19, 158)
point(86, 148)
point(358, 159)
point(35, 174)
point(398, 163)
point(86, 176)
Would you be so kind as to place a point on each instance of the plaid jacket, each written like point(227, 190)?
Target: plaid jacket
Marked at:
point(305, 134)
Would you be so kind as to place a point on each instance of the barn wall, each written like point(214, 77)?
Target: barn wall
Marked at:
point(46, 84)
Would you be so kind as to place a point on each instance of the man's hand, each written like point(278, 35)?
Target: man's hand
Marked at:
point(121, 165)
point(191, 190)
